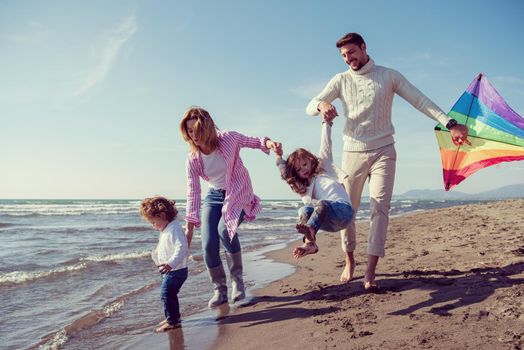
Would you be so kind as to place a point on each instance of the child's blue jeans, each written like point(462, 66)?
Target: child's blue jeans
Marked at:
point(326, 215)
point(171, 284)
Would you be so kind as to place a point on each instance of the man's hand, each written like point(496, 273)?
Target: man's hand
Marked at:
point(328, 111)
point(459, 134)
point(164, 268)
point(275, 147)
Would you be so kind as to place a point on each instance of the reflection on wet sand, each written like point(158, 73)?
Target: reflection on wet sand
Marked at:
point(200, 331)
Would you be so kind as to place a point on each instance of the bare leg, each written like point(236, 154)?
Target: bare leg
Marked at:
point(369, 278)
point(309, 247)
point(306, 230)
point(349, 269)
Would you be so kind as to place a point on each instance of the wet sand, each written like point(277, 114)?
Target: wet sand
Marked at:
point(201, 330)
point(451, 279)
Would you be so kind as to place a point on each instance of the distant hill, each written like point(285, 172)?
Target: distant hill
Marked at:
point(510, 191)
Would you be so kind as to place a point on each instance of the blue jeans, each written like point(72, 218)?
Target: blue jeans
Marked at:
point(214, 230)
point(171, 284)
point(326, 215)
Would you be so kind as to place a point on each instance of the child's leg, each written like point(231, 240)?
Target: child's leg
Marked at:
point(319, 215)
point(327, 215)
point(309, 246)
point(304, 213)
point(171, 284)
point(337, 216)
point(305, 249)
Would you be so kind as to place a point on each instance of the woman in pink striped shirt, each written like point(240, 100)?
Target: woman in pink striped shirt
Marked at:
point(215, 156)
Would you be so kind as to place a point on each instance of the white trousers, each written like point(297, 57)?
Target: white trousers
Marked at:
point(378, 166)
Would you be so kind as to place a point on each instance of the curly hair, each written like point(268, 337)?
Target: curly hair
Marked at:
point(290, 175)
point(158, 207)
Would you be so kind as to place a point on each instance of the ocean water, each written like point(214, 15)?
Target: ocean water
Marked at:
point(78, 273)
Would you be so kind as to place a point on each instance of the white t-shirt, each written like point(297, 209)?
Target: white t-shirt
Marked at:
point(215, 169)
point(326, 187)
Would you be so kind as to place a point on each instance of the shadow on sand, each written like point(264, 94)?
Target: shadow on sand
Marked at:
point(454, 288)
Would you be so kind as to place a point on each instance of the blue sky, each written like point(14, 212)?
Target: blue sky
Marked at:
point(91, 92)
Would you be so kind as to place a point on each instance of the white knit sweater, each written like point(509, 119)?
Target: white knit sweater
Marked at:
point(367, 98)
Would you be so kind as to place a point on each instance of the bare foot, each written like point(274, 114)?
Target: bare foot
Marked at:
point(305, 249)
point(163, 322)
point(372, 287)
point(166, 327)
point(369, 283)
point(369, 278)
point(306, 230)
point(347, 273)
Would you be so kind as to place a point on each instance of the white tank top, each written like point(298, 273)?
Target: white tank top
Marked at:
point(215, 169)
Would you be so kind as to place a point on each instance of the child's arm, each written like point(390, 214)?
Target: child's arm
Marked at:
point(179, 241)
point(326, 153)
point(276, 147)
point(281, 162)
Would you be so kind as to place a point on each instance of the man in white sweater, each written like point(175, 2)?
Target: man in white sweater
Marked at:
point(366, 91)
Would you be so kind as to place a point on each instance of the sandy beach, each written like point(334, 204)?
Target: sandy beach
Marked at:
point(451, 279)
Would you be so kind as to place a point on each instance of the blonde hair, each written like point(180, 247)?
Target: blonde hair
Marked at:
point(204, 129)
point(158, 207)
point(290, 175)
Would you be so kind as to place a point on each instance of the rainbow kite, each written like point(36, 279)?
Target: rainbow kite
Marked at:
point(496, 133)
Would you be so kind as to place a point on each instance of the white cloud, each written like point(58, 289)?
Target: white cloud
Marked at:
point(107, 53)
point(32, 33)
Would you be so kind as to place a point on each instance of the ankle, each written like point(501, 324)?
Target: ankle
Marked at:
point(369, 276)
point(350, 259)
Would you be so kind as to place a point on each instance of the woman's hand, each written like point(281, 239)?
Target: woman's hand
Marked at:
point(189, 233)
point(275, 147)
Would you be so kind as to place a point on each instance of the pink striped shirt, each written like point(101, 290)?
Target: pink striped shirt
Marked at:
point(239, 191)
